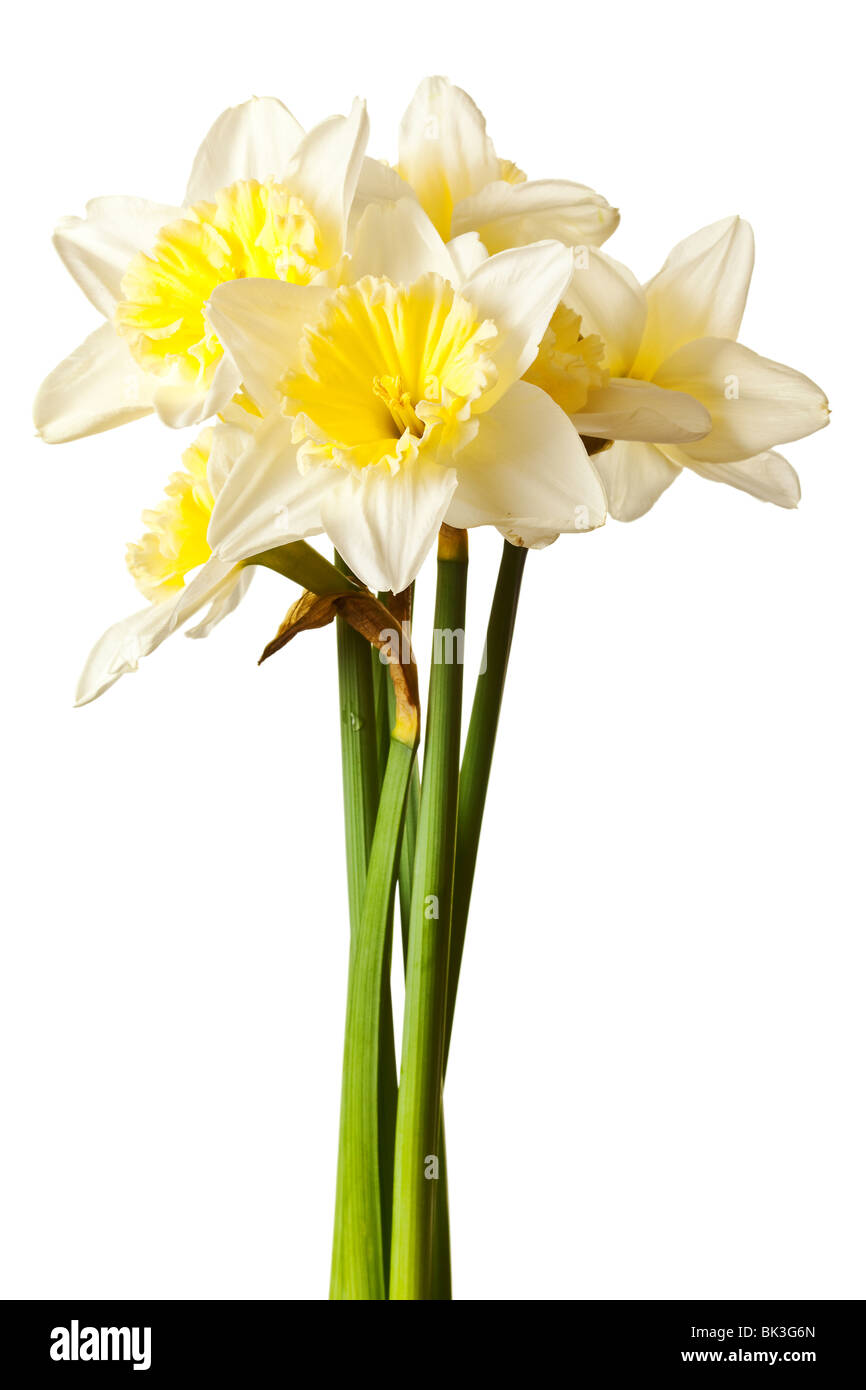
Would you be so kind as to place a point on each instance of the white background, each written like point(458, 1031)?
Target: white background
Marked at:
point(656, 1082)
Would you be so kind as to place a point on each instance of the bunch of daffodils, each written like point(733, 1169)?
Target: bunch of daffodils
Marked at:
point(389, 355)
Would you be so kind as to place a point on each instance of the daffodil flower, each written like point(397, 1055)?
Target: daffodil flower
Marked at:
point(175, 547)
point(448, 161)
point(263, 200)
point(394, 403)
point(574, 366)
point(681, 391)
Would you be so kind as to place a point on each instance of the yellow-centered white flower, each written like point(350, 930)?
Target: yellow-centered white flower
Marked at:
point(448, 161)
point(682, 393)
point(173, 566)
point(394, 403)
point(263, 199)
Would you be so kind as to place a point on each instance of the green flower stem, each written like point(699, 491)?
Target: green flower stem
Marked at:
point(474, 778)
point(478, 756)
point(441, 1284)
point(410, 819)
point(360, 801)
point(407, 857)
point(360, 757)
point(417, 1148)
point(383, 699)
point(382, 711)
point(366, 1151)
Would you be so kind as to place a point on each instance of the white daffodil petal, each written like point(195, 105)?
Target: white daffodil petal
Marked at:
point(467, 252)
point(180, 406)
point(225, 602)
point(445, 151)
point(377, 183)
point(120, 649)
point(266, 501)
point(515, 214)
point(527, 537)
point(611, 303)
point(519, 291)
point(260, 324)
point(634, 476)
point(398, 240)
point(255, 140)
point(768, 476)
point(754, 403)
point(95, 388)
point(527, 467)
point(700, 291)
point(228, 443)
point(324, 172)
point(383, 525)
point(207, 584)
point(97, 249)
point(626, 409)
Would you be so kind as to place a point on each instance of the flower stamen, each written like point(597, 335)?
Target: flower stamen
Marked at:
point(391, 390)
